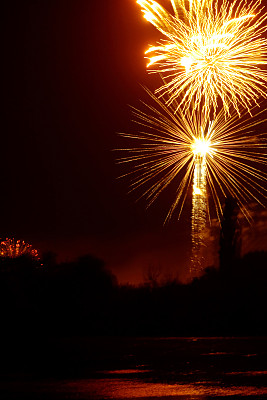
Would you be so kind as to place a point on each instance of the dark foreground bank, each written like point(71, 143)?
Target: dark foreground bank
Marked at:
point(82, 298)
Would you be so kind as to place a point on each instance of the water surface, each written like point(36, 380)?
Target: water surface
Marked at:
point(146, 368)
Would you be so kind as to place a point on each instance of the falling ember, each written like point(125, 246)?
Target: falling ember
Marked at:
point(11, 248)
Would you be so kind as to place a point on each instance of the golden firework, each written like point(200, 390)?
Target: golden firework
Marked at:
point(212, 52)
point(217, 158)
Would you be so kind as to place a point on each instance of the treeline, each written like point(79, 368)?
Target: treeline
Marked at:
point(84, 298)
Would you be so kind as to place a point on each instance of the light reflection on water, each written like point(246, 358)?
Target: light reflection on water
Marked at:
point(129, 389)
point(151, 369)
point(134, 388)
point(247, 373)
point(125, 371)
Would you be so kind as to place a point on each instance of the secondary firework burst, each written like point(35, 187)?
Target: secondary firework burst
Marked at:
point(208, 160)
point(11, 248)
point(211, 51)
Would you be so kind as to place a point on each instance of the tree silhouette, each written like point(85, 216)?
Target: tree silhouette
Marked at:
point(230, 238)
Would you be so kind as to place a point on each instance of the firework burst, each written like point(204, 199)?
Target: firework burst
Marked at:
point(216, 158)
point(12, 248)
point(211, 50)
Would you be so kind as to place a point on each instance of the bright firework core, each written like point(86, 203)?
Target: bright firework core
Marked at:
point(201, 147)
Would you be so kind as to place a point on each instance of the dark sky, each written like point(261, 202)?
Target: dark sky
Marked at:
point(71, 70)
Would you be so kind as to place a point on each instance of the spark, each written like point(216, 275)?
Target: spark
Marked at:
point(211, 52)
point(208, 159)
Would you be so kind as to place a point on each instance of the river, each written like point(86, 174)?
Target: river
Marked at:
point(143, 368)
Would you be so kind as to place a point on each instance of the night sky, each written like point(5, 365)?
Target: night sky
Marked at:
point(71, 70)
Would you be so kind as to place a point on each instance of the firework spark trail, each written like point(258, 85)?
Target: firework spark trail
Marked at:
point(223, 157)
point(199, 214)
point(210, 51)
point(200, 149)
